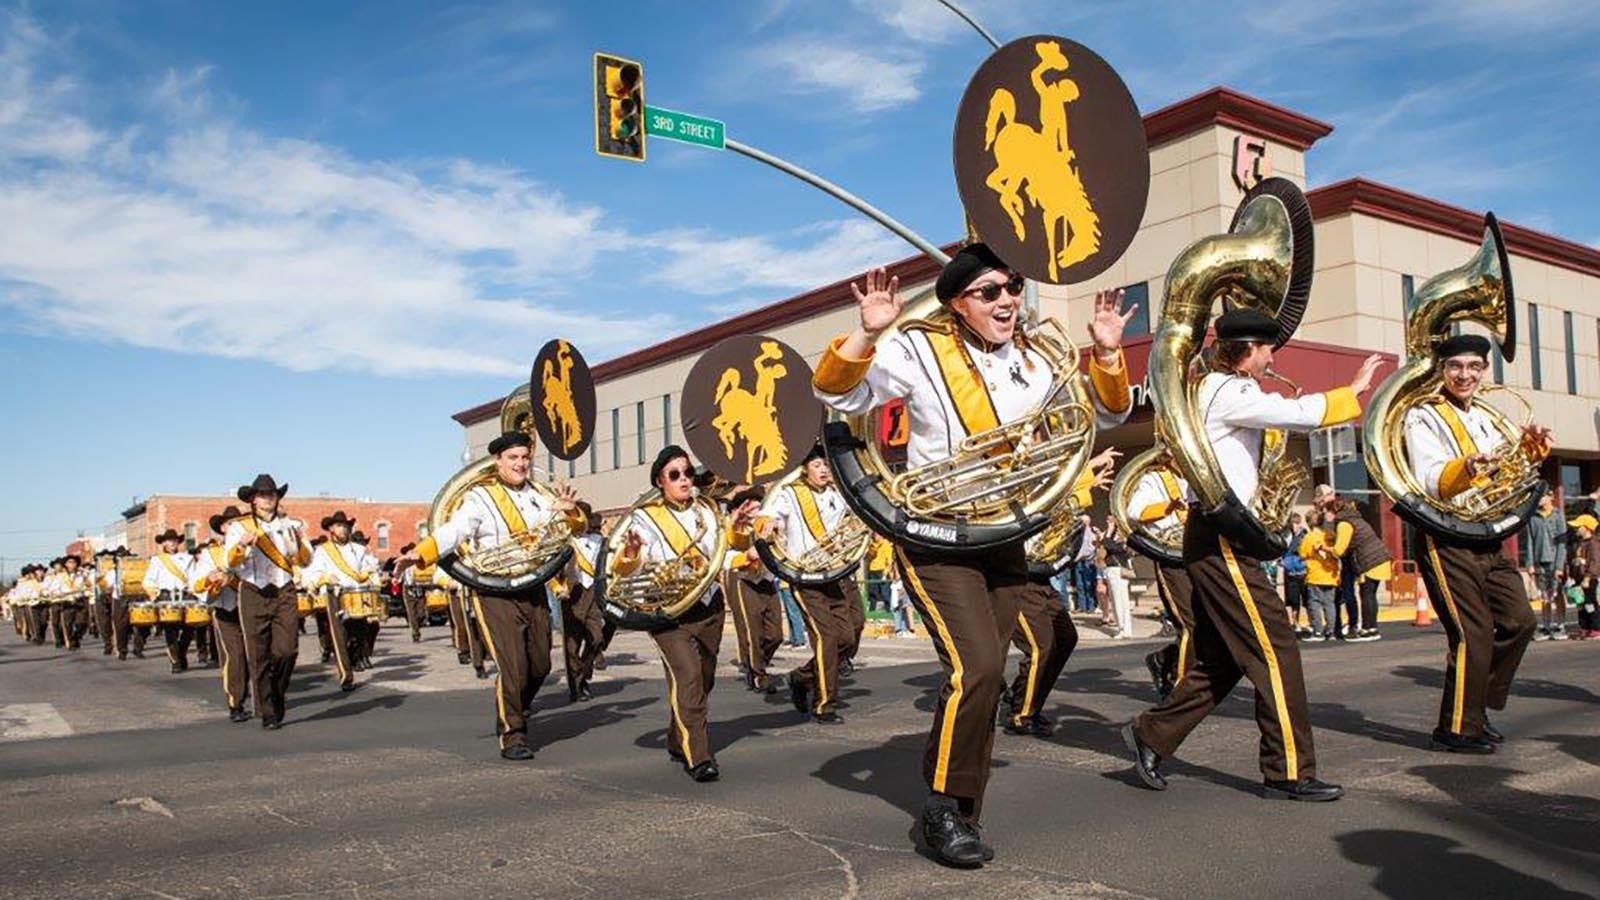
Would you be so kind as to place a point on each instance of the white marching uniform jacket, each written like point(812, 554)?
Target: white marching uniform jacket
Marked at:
point(215, 559)
point(1151, 496)
point(489, 515)
point(167, 572)
point(807, 515)
point(342, 565)
point(665, 531)
point(271, 560)
point(1236, 412)
point(954, 388)
point(1439, 437)
point(585, 550)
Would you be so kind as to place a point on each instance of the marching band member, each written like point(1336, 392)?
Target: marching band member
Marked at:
point(414, 584)
point(753, 596)
point(339, 563)
point(1241, 626)
point(25, 594)
point(954, 384)
point(211, 579)
point(1159, 501)
point(262, 549)
point(803, 514)
point(465, 635)
point(1476, 592)
point(167, 581)
point(52, 587)
point(585, 632)
point(1044, 631)
point(516, 626)
point(74, 615)
point(364, 637)
point(667, 530)
point(104, 600)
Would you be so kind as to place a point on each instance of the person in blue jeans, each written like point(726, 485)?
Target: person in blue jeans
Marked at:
point(1084, 571)
point(791, 610)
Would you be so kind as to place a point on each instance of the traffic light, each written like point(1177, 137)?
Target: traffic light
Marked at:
point(619, 107)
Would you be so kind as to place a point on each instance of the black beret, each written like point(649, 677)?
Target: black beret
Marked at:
point(963, 269)
point(667, 454)
point(1460, 344)
point(508, 440)
point(816, 452)
point(1247, 324)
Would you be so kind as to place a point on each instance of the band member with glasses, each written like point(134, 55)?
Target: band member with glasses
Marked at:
point(262, 550)
point(516, 626)
point(978, 376)
point(671, 528)
point(1241, 627)
point(1476, 592)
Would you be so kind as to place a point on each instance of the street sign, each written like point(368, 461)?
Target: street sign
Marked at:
point(679, 126)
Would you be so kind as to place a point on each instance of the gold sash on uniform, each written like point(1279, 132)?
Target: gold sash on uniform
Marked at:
point(967, 390)
point(678, 538)
point(508, 509)
point(166, 560)
point(337, 555)
point(265, 545)
point(1452, 420)
point(807, 502)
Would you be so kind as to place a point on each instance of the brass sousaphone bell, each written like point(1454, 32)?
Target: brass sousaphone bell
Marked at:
point(658, 592)
point(836, 556)
point(1263, 261)
point(1478, 290)
point(1164, 545)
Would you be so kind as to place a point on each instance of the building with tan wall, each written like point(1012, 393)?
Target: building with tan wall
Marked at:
point(1374, 244)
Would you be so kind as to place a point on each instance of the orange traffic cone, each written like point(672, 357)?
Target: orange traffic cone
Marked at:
point(1424, 615)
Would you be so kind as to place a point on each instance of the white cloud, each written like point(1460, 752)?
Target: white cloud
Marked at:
point(806, 258)
point(865, 79)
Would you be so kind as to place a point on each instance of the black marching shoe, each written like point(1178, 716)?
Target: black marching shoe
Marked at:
point(176, 668)
point(517, 752)
point(123, 656)
point(800, 697)
point(1459, 743)
point(847, 668)
point(951, 839)
point(238, 715)
point(705, 771)
point(482, 673)
point(827, 718)
point(463, 657)
point(347, 687)
point(272, 723)
point(584, 694)
point(1492, 734)
point(1158, 674)
point(1146, 762)
point(1309, 790)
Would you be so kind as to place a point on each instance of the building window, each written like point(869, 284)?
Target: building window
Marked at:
point(1140, 323)
point(1408, 287)
point(382, 535)
point(666, 419)
point(549, 462)
point(594, 456)
point(1533, 347)
point(572, 468)
point(191, 535)
point(1572, 352)
point(1572, 488)
point(616, 437)
point(639, 437)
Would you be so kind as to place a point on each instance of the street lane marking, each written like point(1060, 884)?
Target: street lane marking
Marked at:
point(30, 721)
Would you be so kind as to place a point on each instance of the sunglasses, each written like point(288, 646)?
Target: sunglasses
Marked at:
point(677, 474)
point(990, 292)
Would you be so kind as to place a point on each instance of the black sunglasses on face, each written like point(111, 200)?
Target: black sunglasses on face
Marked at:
point(990, 292)
point(677, 474)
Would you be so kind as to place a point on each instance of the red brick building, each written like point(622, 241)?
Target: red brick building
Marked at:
point(389, 526)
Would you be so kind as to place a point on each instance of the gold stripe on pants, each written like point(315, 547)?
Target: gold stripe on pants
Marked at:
point(230, 648)
point(689, 650)
point(825, 609)
point(271, 639)
point(1046, 636)
point(1177, 596)
point(517, 631)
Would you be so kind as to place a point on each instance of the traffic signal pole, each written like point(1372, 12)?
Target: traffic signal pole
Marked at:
point(967, 17)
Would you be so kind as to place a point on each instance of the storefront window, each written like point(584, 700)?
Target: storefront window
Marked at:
point(639, 437)
point(666, 419)
point(1572, 353)
point(382, 536)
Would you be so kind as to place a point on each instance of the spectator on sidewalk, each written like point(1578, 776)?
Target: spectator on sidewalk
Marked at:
point(1294, 574)
point(1322, 576)
point(880, 559)
point(791, 612)
point(1583, 570)
point(901, 606)
point(1084, 571)
point(1118, 571)
point(1546, 534)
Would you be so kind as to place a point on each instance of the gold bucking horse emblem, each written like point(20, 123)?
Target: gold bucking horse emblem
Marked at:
point(559, 406)
point(753, 415)
point(1040, 164)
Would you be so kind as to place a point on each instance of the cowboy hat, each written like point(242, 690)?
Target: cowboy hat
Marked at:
point(264, 484)
point(221, 519)
point(338, 518)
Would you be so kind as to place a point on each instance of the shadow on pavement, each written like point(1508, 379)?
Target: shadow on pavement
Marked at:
point(1532, 688)
point(1581, 747)
point(1551, 819)
point(1413, 864)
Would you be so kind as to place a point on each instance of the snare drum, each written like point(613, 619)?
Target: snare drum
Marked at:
point(362, 603)
point(141, 614)
point(169, 613)
point(197, 614)
point(303, 603)
point(437, 600)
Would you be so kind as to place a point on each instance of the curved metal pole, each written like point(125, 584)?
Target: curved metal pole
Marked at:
point(839, 193)
point(967, 17)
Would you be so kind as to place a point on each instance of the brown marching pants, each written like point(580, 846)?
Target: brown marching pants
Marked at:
point(1177, 597)
point(338, 639)
point(969, 605)
point(740, 622)
point(1480, 600)
point(585, 634)
point(1046, 636)
point(856, 615)
point(517, 630)
point(826, 611)
point(55, 613)
point(177, 639)
point(415, 601)
point(465, 634)
point(74, 621)
point(104, 622)
point(230, 651)
point(271, 638)
point(689, 650)
point(1241, 629)
point(757, 604)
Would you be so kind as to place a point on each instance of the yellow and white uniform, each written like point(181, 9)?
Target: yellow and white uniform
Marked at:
point(270, 561)
point(807, 515)
point(214, 559)
point(342, 565)
point(167, 572)
point(956, 385)
point(1237, 412)
point(1439, 437)
point(490, 515)
point(1152, 496)
point(585, 550)
point(663, 527)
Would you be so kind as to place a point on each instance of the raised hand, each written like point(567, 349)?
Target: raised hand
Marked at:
point(566, 498)
point(631, 543)
point(1108, 321)
point(879, 303)
point(1365, 375)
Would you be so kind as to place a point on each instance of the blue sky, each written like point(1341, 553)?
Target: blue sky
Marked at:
point(295, 237)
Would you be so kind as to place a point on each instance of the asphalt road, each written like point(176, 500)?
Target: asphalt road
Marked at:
point(120, 780)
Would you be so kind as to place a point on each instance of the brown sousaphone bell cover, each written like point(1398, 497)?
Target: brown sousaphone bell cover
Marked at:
point(748, 412)
point(1050, 159)
point(561, 393)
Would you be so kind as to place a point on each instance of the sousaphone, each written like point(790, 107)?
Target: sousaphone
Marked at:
point(836, 556)
point(658, 592)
